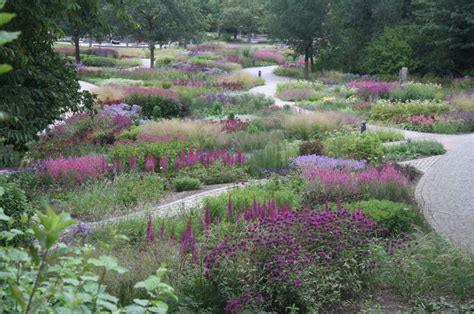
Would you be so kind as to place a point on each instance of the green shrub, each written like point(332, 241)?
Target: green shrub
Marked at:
point(388, 135)
point(273, 157)
point(384, 110)
point(392, 50)
point(94, 61)
point(165, 60)
point(354, 146)
point(452, 127)
point(123, 64)
point(14, 203)
point(186, 184)
point(395, 218)
point(216, 174)
point(165, 107)
point(417, 91)
point(413, 150)
point(426, 265)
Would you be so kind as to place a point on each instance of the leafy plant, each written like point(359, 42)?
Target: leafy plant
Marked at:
point(186, 184)
point(413, 149)
point(157, 106)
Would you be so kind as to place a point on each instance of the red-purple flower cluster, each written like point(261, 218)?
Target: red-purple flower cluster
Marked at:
point(343, 184)
point(278, 249)
point(267, 55)
point(190, 158)
point(129, 90)
point(420, 120)
point(233, 125)
point(73, 170)
point(373, 88)
point(228, 85)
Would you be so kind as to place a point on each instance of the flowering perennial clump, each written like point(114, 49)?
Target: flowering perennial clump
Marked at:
point(373, 88)
point(191, 158)
point(291, 252)
point(233, 124)
point(74, 169)
point(269, 56)
point(327, 162)
point(344, 184)
point(421, 120)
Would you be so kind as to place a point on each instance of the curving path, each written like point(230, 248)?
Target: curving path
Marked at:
point(445, 192)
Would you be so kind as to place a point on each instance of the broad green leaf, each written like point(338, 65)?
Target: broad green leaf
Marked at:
point(141, 302)
point(150, 284)
point(4, 68)
point(6, 17)
point(134, 309)
point(6, 37)
point(159, 307)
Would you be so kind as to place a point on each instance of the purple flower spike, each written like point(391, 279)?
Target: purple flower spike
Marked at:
point(150, 232)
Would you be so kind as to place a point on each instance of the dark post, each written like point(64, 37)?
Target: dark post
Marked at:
point(363, 126)
point(259, 73)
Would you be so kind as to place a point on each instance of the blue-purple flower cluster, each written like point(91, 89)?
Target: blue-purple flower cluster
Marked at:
point(327, 162)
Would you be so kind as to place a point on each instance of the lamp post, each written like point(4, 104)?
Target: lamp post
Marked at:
point(363, 126)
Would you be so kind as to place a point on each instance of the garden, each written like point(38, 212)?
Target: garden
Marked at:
point(172, 186)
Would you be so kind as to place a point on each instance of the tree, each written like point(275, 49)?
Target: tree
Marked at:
point(84, 18)
point(242, 14)
point(41, 87)
point(449, 27)
point(299, 23)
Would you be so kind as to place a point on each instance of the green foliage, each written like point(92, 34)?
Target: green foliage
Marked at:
point(395, 218)
point(391, 51)
point(216, 174)
point(384, 110)
point(417, 91)
point(16, 206)
point(274, 157)
point(186, 184)
point(283, 190)
point(111, 197)
point(413, 149)
point(121, 82)
point(52, 276)
point(40, 88)
point(354, 146)
point(426, 265)
point(452, 127)
point(157, 106)
point(96, 61)
point(165, 60)
point(388, 135)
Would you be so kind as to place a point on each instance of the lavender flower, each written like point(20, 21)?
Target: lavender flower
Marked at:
point(327, 162)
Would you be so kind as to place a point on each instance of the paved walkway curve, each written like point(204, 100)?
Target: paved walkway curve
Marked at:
point(445, 192)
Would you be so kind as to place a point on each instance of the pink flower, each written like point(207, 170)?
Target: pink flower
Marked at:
point(150, 232)
point(269, 55)
point(150, 163)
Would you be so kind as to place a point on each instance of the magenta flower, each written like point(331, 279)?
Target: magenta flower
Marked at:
point(150, 163)
point(150, 232)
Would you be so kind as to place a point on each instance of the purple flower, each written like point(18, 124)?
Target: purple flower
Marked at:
point(150, 232)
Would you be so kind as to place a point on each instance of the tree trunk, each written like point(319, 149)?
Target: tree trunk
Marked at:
point(249, 37)
point(306, 64)
point(235, 35)
point(90, 41)
point(312, 62)
point(77, 49)
point(152, 54)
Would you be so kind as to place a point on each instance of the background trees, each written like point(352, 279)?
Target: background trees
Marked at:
point(40, 87)
point(300, 24)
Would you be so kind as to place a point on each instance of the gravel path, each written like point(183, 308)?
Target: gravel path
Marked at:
point(87, 86)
